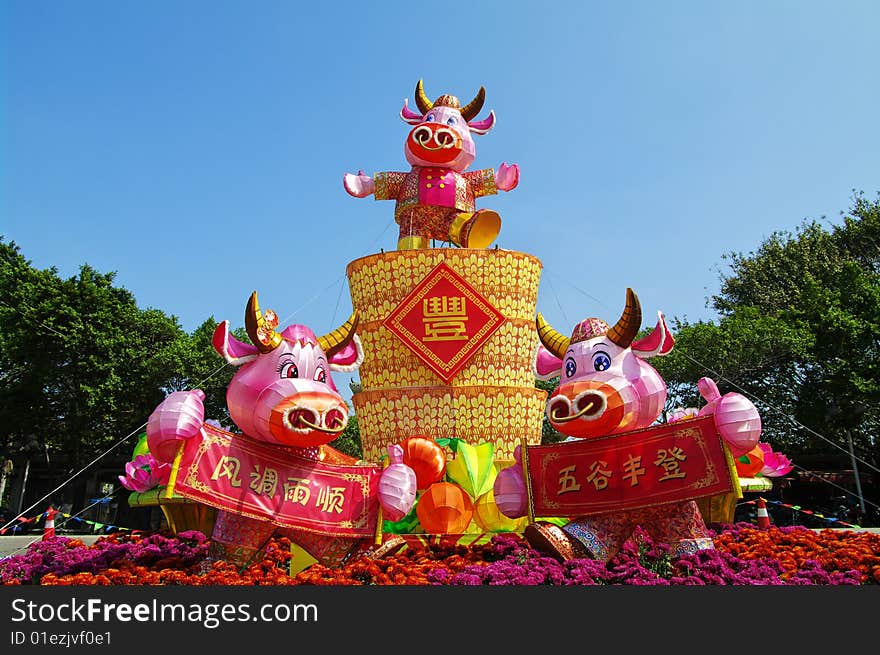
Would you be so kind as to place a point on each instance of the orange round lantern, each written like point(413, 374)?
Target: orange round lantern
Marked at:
point(750, 464)
point(489, 517)
point(444, 508)
point(426, 458)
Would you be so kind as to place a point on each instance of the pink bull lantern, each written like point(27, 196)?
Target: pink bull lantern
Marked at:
point(284, 401)
point(606, 388)
point(435, 199)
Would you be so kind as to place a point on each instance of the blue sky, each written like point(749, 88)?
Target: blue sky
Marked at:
point(197, 148)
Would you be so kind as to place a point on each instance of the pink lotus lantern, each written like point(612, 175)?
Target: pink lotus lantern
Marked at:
point(776, 464)
point(144, 472)
point(397, 486)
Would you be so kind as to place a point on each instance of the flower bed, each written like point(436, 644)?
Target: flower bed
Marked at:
point(744, 555)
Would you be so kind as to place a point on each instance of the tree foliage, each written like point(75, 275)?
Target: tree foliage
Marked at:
point(549, 434)
point(82, 366)
point(798, 332)
point(349, 442)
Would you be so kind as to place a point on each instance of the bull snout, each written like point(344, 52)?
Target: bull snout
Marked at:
point(435, 143)
point(588, 405)
point(308, 419)
point(589, 409)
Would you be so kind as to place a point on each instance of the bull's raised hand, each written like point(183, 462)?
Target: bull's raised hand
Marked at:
point(360, 185)
point(180, 416)
point(507, 176)
point(736, 417)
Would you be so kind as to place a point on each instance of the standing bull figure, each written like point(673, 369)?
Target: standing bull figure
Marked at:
point(606, 387)
point(282, 394)
point(435, 199)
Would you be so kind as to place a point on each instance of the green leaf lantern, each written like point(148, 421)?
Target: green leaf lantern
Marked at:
point(473, 468)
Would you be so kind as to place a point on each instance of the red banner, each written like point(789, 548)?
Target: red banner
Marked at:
point(444, 321)
point(654, 466)
point(267, 482)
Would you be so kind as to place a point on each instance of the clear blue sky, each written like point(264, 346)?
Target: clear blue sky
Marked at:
point(197, 148)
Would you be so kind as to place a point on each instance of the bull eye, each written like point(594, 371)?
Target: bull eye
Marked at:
point(451, 121)
point(321, 375)
point(601, 361)
point(570, 367)
point(288, 369)
point(430, 118)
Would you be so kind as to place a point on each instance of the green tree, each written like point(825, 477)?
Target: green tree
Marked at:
point(81, 366)
point(349, 442)
point(798, 332)
point(203, 368)
point(549, 434)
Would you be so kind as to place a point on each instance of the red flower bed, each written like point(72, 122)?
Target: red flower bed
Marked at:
point(744, 555)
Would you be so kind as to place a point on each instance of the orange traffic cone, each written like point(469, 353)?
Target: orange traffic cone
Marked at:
point(763, 517)
point(49, 526)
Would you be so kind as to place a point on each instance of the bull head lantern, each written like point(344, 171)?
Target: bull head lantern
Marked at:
point(436, 198)
point(606, 386)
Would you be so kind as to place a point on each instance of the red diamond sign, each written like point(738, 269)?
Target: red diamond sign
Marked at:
point(444, 321)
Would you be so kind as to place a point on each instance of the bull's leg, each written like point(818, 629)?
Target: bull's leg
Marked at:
point(238, 539)
point(414, 232)
point(474, 229)
point(681, 526)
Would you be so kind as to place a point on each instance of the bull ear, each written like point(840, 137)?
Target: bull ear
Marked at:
point(408, 115)
point(231, 349)
point(659, 342)
point(349, 358)
point(483, 126)
point(546, 365)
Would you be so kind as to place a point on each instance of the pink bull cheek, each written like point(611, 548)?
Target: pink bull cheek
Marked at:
point(651, 391)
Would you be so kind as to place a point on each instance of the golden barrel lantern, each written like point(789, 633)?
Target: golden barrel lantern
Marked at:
point(449, 343)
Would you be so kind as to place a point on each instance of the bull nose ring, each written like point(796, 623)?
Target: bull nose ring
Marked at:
point(571, 417)
point(444, 138)
point(301, 418)
point(422, 136)
point(335, 420)
point(595, 404)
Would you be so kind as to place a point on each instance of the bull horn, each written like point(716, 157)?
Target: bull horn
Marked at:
point(471, 109)
point(422, 101)
point(626, 328)
point(553, 341)
point(261, 328)
point(334, 341)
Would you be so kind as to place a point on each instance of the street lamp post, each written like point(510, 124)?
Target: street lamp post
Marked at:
point(855, 466)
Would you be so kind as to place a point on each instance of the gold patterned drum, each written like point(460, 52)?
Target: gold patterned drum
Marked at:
point(449, 342)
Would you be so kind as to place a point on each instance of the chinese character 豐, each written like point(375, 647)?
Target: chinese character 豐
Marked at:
point(264, 483)
point(633, 468)
point(228, 467)
point(671, 460)
point(444, 318)
point(599, 475)
point(297, 490)
point(567, 481)
point(331, 499)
